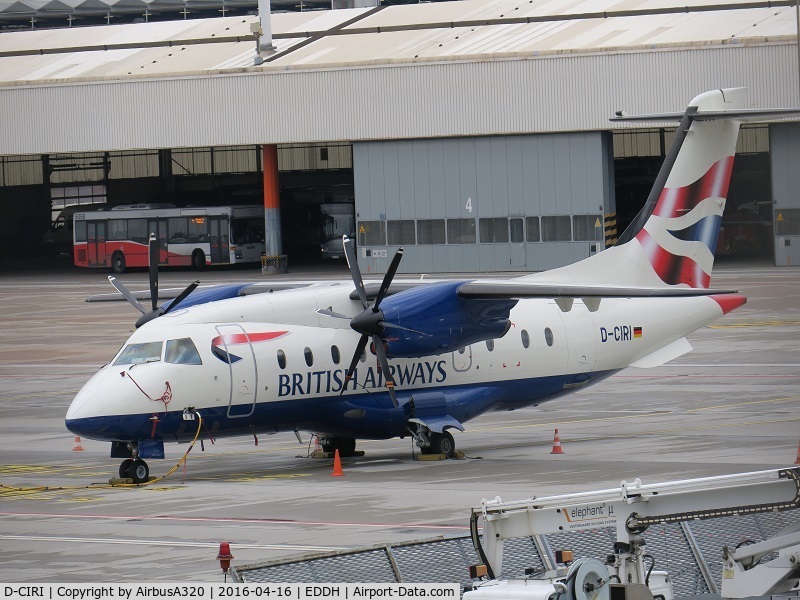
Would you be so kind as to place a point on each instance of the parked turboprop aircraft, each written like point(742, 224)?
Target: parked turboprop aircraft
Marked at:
point(439, 353)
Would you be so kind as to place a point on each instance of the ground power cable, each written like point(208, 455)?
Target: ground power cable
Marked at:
point(111, 483)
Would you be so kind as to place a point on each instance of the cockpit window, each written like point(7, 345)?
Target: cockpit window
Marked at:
point(134, 354)
point(182, 352)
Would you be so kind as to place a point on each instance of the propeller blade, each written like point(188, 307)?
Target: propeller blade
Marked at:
point(153, 269)
point(355, 273)
point(128, 296)
point(384, 363)
point(362, 343)
point(387, 279)
point(182, 296)
point(330, 313)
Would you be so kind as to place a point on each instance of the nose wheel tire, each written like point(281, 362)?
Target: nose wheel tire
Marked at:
point(138, 471)
point(125, 468)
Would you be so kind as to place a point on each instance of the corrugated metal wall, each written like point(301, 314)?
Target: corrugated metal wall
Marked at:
point(785, 151)
point(478, 178)
point(538, 94)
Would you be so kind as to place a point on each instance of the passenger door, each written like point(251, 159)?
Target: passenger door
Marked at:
point(96, 243)
point(233, 340)
point(220, 244)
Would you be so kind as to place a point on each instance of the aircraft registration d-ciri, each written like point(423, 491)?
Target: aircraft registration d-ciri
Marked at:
point(440, 353)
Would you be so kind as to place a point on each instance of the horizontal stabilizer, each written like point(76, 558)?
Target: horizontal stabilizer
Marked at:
point(228, 291)
point(744, 114)
point(664, 354)
point(514, 289)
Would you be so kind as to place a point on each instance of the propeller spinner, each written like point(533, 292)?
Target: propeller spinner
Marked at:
point(369, 322)
point(156, 310)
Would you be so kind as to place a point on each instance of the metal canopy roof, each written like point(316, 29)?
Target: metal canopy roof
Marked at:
point(447, 31)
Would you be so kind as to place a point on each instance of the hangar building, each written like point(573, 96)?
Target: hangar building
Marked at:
point(473, 133)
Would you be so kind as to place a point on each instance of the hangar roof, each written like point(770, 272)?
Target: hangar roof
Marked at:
point(468, 30)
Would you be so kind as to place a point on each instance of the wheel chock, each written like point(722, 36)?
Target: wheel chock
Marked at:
point(432, 457)
point(120, 481)
point(457, 455)
point(128, 480)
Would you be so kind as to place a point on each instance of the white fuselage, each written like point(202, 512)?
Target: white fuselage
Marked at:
point(270, 363)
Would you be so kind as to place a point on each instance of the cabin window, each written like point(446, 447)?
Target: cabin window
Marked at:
point(134, 354)
point(490, 345)
point(526, 339)
point(335, 355)
point(182, 352)
point(281, 359)
point(309, 356)
point(548, 336)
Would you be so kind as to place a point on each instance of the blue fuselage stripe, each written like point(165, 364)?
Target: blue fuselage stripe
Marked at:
point(365, 416)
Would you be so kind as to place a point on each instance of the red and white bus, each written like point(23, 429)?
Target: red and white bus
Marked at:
point(197, 237)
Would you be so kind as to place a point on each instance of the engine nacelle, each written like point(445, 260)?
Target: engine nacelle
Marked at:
point(441, 320)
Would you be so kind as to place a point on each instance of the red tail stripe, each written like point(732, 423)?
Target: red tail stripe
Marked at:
point(670, 268)
point(675, 202)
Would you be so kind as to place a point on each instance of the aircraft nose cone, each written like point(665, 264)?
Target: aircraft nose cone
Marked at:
point(85, 405)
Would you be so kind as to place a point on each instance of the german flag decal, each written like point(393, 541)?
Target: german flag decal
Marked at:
point(637, 332)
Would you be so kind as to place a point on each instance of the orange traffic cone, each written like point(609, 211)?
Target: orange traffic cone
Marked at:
point(556, 445)
point(797, 460)
point(77, 447)
point(337, 465)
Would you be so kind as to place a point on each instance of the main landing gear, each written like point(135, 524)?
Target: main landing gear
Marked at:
point(431, 442)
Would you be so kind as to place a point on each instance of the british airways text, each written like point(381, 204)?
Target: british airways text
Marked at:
point(324, 382)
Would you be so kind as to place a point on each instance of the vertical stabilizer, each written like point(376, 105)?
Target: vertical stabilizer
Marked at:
point(673, 239)
point(680, 235)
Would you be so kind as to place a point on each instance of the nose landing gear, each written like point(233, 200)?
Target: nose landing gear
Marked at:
point(135, 469)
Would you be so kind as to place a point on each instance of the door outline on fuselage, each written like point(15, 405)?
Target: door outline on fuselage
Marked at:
point(462, 359)
point(242, 369)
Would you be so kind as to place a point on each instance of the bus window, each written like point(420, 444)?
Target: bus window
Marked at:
point(198, 229)
point(117, 229)
point(137, 231)
point(177, 227)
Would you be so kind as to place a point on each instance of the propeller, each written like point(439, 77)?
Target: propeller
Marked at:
point(369, 322)
point(156, 310)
